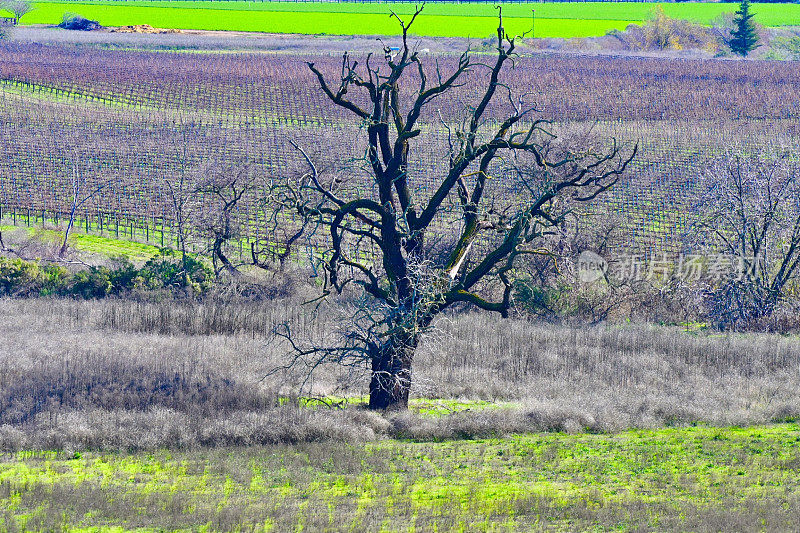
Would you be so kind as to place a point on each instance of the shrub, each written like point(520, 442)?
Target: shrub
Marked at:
point(790, 46)
point(167, 271)
point(26, 278)
point(72, 21)
point(53, 279)
point(92, 283)
point(662, 32)
point(123, 274)
point(17, 277)
point(20, 278)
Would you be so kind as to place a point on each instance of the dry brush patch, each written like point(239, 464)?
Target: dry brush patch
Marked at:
point(117, 374)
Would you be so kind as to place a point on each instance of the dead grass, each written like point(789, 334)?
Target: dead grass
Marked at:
point(117, 374)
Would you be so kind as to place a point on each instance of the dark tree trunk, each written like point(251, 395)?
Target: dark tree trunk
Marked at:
point(391, 374)
point(219, 254)
point(63, 249)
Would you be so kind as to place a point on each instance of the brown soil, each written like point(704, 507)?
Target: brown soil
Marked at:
point(142, 28)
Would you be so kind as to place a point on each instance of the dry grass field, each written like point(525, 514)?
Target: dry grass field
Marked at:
point(117, 375)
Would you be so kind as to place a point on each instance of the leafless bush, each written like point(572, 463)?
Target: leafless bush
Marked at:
point(554, 289)
point(750, 211)
point(662, 32)
point(722, 26)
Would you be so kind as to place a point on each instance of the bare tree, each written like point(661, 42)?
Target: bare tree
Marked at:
point(281, 236)
point(225, 190)
point(413, 254)
point(18, 7)
point(182, 198)
point(750, 210)
point(183, 194)
point(82, 192)
point(722, 26)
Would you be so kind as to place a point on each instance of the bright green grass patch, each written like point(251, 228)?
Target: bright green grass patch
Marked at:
point(679, 478)
point(313, 22)
point(438, 407)
point(432, 407)
point(769, 14)
point(135, 251)
point(443, 20)
point(94, 244)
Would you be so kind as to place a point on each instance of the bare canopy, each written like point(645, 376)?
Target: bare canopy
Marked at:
point(411, 251)
point(19, 8)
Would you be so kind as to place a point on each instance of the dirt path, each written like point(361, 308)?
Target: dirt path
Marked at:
point(228, 40)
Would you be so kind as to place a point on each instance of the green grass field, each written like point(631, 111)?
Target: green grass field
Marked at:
point(440, 20)
point(671, 479)
point(92, 244)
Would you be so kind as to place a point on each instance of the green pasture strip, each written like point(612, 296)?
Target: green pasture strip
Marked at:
point(314, 22)
point(433, 407)
point(667, 479)
point(135, 251)
point(585, 19)
point(768, 14)
point(94, 244)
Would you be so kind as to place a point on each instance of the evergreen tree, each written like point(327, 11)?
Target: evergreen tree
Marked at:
point(744, 35)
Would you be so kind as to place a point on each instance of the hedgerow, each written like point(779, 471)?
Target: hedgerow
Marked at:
point(21, 278)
